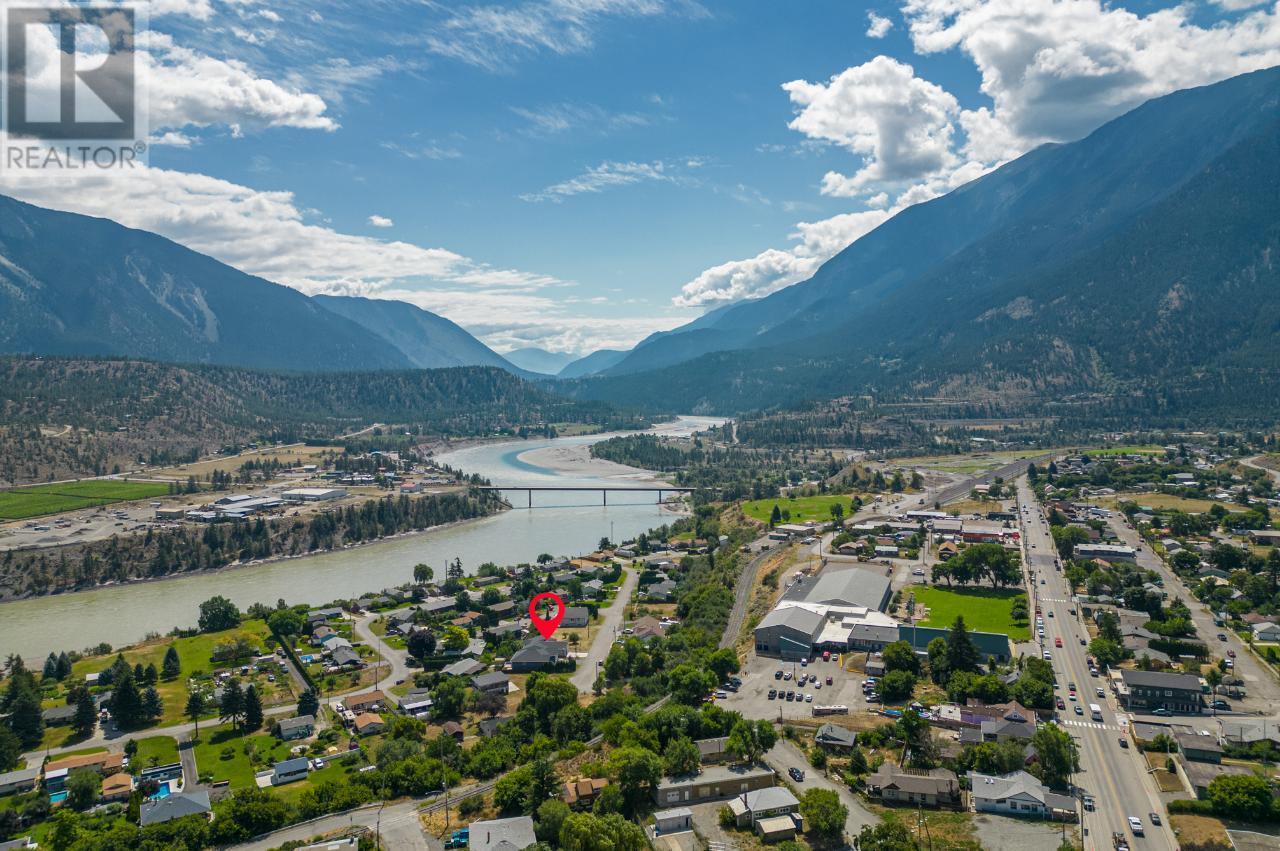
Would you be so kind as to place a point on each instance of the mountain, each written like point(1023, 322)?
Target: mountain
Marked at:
point(1120, 265)
point(78, 285)
point(540, 361)
point(427, 340)
point(597, 361)
point(1054, 199)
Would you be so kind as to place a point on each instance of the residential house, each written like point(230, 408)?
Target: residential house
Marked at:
point(368, 724)
point(1017, 794)
point(117, 787)
point(1014, 722)
point(19, 780)
point(492, 683)
point(581, 793)
point(538, 654)
point(715, 781)
point(454, 730)
point(463, 668)
point(648, 628)
point(895, 785)
point(490, 726)
point(1266, 631)
point(320, 633)
point(319, 616)
point(946, 550)
point(333, 641)
point(289, 770)
point(105, 762)
point(345, 657)
point(837, 738)
point(58, 716)
point(504, 834)
point(575, 617)
point(370, 701)
point(1200, 774)
point(289, 729)
point(1197, 747)
point(175, 805)
point(506, 628)
point(466, 619)
point(675, 820)
point(502, 608)
point(660, 591)
point(750, 807)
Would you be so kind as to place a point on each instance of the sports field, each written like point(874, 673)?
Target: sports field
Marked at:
point(983, 609)
point(37, 500)
point(802, 508)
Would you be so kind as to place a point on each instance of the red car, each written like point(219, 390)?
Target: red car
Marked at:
point(1231, 654)
point(1062, 704)
point(1057, 642)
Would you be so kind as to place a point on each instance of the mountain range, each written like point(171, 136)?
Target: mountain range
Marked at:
point(1138, 262)
point(78, 285)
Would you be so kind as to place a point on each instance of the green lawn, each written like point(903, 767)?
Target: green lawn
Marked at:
point(802, 508)
point(983, 609)
point(220, 752)
point(155, 750)
point(36, 500)
point(1127, 450)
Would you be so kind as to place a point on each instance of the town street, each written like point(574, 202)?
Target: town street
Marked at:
point(1116, 777)
point(584, 676)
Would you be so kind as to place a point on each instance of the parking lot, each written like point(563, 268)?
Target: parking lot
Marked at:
point(758, 677)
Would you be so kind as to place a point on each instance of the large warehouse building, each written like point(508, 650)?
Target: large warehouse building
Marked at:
point(840, 609)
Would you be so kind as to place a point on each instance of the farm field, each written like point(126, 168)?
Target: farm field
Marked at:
point(37, 500)
point(802, 508)
point(983, 609)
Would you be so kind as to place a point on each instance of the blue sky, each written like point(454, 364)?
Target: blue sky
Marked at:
point(576, 174)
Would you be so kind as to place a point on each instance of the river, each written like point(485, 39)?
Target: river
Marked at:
point(566, 523)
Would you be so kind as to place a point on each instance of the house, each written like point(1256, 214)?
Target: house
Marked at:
point(1147, 690)
point(368, 724)
point(1197, 747)
point(1266, 632)
point(1017, 794)
point(647, 628)
point(582, 793)
point(538, 654)
point(593, 588)
point(289, 729)
point(175, 805)
point(660, 591)
point(104, 762)
point(575, 617)
point(716, 781)
point(946, 550)
point(504, 834)
point(502, 608)
point(290, 770)
point(505, 628)
point(466, 619)
point(750, 807)
point(490, 726)
point(19, 780)
point(492, 683)
point(453, 730)
point(1014, 723)
point(117, 787)
point(369, 701)
point(676, 820)
point(935, 788)
point(831, 736)
point(712, 751)
point(319, 616)
point(778, 828)
point(346, 657)
point(1201, 774)
point(320, 633)
point(333, 641)
point(463, 668)
point(58, 716)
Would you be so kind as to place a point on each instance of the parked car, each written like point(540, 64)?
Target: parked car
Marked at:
point(1124, 743)
point(777, 675)
point(1161, 711)
point(796, 774)
point(773, 692)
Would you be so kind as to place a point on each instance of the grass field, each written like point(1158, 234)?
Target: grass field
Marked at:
point(37, 500)
point(968, 464)
point(1168, 501)
point(1127, 450)
point(221, 753)
point(156, 750)
point(983, 609)
point(802, 508)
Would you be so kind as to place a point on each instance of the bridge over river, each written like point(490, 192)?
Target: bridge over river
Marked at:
point(604, 490)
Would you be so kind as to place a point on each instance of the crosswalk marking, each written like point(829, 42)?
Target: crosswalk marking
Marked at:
point(1070, 722)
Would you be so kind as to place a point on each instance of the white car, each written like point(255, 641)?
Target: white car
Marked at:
point(1135, 824)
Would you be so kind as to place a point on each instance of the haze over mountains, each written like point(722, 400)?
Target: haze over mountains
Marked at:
point(1139, 260)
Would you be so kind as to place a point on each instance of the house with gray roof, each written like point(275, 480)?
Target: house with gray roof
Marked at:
point(538, 654)
point(918, 788)
point(463, 668)
point(504, 834)
point(832, 736)
point(494, 682)
point(345, 656)
point(576, 617)
point(19, 780)
point(296, 728)
point(289, 770)
point(788, 633)
point(1018, 794)
point(175, 805)
point(750, 807)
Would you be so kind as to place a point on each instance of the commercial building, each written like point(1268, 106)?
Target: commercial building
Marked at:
point(1018, 794)
point(713, 782)
point(842, 609)
point(1147, 690)
point(313, 494)
point(1106, 552)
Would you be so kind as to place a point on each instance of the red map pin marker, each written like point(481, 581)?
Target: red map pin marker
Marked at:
point(546, 625)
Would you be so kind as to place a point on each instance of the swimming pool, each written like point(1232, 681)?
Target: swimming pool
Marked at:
point(58, 797)
point(163, 791)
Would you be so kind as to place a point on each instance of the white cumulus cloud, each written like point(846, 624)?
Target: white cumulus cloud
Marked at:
point(380, 221)
point(878, 26)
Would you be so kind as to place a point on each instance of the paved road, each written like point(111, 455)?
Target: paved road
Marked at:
point(1114, 776)
point(395, 662)
point(786, 755)
point(584, 676)
point(398, 824)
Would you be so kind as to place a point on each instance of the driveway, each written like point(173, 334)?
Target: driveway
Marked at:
point(606, 631)
point(394, 661)
point(785, 755)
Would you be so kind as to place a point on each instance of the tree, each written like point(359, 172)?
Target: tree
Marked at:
point(421, 644)
point(897, 686)
point(455, 638)
point(51, 667)
point(1241, 796)
point(688, 684)
point(1214, 678)
point(231, 706)
point(450, 697)
point(1065, 539)
point(723, 662)
point(681, 757)
point(194, 709)
point(252, 708)
point(308, 702)
point(423, 573)
point(1059, 756)
point(636, 771)
point(172, 665)
point(86, 718)
point(64, 666)
point(823, 813)
point(900, 656)
point(886, 836)
point(549, 818)
point(749, 740)
point(589, 832)
point(937, 651)
point(126, 702)
point(218, 613)
point(775, 516)
point(286, 623)
point(1106, 651)
point(962, 655)
point(26, 718)
point(84, 785)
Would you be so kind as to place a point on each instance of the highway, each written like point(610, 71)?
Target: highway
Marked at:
point(1115, 776)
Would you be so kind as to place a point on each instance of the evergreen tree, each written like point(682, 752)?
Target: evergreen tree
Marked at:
point(126, 702)
point(962, 655)
point(252, 709)
point(152, 705)
point(26, 718)
point(308, 702)
point(64, 666)
point(51, 667)
point(86, 714)
point(172, 665)
point(231, 706)
point(195, 708)
point(150, 676)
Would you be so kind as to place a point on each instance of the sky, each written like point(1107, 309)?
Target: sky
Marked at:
point(577, 174)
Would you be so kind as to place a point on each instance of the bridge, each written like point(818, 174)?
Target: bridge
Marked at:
point(603, 490)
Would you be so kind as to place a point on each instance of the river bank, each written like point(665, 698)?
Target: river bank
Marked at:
point(559, 524)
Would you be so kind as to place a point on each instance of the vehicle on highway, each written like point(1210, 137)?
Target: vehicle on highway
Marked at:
point(1119, 842)
point(1057, 642)
point(1222, 636)
point(1221, 704)
point(1048, 657)
point(1095, 712)
point(826, 655)
point(1071, 686)
point(1124, 743)
point(1061, 703)
point(1089, 803)
point(1161, 711)
point(1135, 824)
point(829, 679)
point(1051, 613)
point(1155, 819)
point(1231, 654)
point(1078, 710)
point(1099, 692)
point(1082, 641)
point(796, 774)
